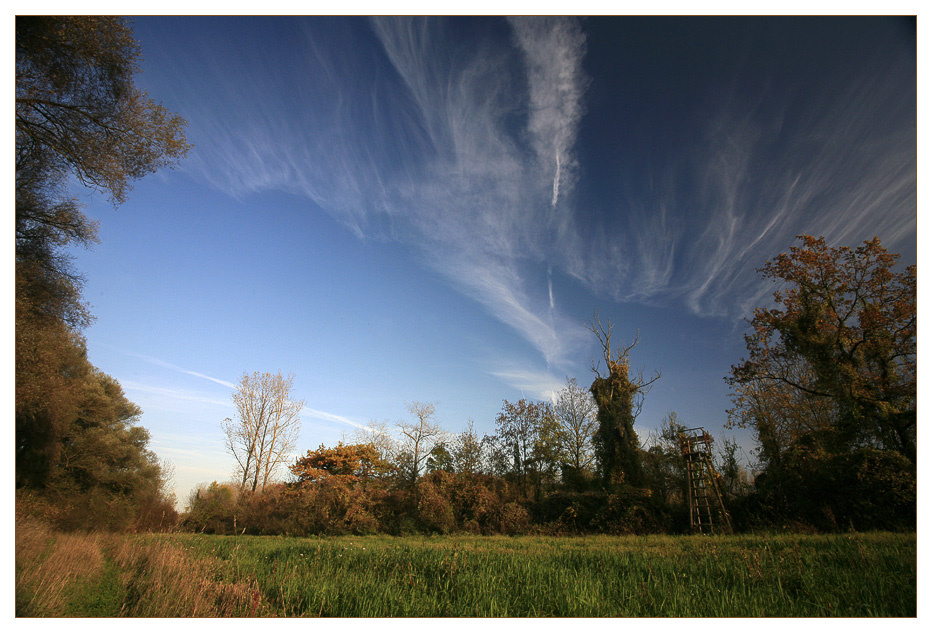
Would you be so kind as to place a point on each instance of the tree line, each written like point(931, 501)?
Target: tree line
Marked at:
point(828, 388)
point(540, 469)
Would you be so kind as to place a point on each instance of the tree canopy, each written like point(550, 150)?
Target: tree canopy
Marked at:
point(529, 440)
point(419, 436)
point(353, 461)
point(576, 411)
point(839, 345)
point(829, 387)
point(77, 107)
point(78, 113)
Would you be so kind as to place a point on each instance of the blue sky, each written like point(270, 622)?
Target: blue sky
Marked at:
point(405, 209)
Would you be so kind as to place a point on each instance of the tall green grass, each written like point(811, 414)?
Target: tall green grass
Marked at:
point(850, 575)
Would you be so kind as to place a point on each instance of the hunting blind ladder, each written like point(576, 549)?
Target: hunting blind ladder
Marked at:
point(707, 513)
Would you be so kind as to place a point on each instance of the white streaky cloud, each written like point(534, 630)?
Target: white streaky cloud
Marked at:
point(556, 183)
point(501, 290)
point(725, 174)
point(331, 417)
point(539, 385)
point(426, 151)
point(173, 452)
point(469, 155)
point(553, 50)
point(244, 145)
point(201, 441)
point(174, 394)
point(483, 230)
point(225, 383)
point(161, 363)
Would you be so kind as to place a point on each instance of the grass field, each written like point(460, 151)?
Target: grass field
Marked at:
point(848, 575)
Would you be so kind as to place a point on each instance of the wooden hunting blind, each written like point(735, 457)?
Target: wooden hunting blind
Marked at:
point(707, 514)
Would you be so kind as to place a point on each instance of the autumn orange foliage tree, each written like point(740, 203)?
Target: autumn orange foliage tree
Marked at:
point(353, 461)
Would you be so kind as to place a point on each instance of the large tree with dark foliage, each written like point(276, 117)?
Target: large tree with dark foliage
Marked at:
point(78, 114)
point(829, 387)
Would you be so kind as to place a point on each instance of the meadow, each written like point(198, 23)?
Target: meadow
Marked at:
point(786, 575)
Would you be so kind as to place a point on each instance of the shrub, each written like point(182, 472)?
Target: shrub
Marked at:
point(156, 514)
point(473, 502)
point(630, 510)
point(873, 490)
point(333, 505)
point(511, 518)
point(572, 512)
point(213, 510)
point(270, 511)
point(434, 510)
point(866, 489)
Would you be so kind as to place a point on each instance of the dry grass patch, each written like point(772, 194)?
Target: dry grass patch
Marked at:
point(164, 581)
point(107, 575)
point(47, 564)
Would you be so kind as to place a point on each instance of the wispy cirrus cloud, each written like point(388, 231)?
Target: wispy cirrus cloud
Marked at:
point(839, 174)
point(485, 207)
point(161, 363)
point(173, 396)
point(191, 447)
point(468, 153)
point(844, 167)
point(431, 145)
point(553, 49)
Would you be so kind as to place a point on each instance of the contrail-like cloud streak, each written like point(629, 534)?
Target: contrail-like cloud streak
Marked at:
point(482, 227)
point(553, 49)
point(182, 370)
point(330, 417)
